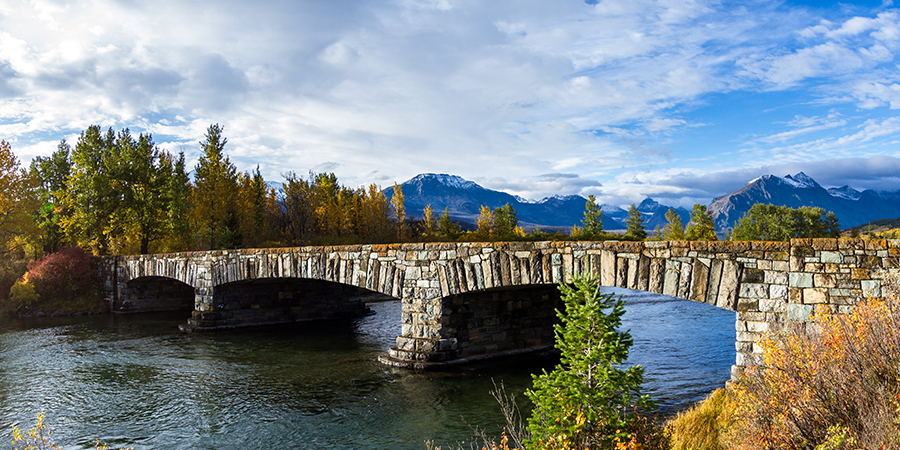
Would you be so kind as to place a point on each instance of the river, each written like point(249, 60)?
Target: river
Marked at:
point(134, 380)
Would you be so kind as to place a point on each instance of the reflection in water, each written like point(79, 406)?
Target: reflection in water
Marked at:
point(135, 380)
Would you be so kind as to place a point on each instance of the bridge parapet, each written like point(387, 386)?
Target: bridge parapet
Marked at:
point(765, 283)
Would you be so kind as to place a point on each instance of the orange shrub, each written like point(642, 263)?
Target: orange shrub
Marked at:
point(835, 385)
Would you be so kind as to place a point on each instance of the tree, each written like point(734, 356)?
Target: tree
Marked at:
point(485, 223)
point(213, 204)
point(253, 195)
point(447, 228)
point(673, 231)
point(635, 224)
point(428, 221)
point(178, 195)
point(16, 201)
point(586, 401)
point(505, 222)
point(593, 219)
point(51, 175)
point(781, 223)
point(298, 217)
point(701, 227)
point(134, 168)
point(399, 210)
point(93, 195)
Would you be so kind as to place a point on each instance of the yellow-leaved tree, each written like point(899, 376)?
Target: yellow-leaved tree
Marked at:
point(16, 201)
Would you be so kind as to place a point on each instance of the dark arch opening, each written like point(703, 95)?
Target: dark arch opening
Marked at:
point(148, 294)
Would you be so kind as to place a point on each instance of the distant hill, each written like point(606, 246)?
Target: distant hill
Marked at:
point(852, 207)
point(876, 226)
point(464, 199)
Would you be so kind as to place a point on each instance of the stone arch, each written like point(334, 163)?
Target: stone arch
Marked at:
point(154, 293)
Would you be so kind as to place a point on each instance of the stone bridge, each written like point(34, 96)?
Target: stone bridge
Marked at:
point(465, 301)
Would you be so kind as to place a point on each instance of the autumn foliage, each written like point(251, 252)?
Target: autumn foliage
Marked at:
point(837, 386)
point(59, 282)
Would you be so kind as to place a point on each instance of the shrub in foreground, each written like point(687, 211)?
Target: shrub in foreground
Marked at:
point(835, 387)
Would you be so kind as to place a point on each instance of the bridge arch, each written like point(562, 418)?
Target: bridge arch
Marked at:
point(766, 283)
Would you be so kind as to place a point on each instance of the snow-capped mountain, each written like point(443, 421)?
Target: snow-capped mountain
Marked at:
point(852, 207)
point(464, 199)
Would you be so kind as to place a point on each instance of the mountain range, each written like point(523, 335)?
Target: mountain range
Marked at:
point(464, 199)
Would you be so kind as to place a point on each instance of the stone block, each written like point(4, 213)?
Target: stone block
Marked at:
point(778, 291)
point(871, 288)
point(728, 287)
point(800, 280)
point(815, 295)
point(772, 305)
point(754, 290)
point(752, 276)
point(824, 280)
point(799, 313)
point(832, 257)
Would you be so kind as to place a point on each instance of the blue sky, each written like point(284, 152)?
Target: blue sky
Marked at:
point(680, 100)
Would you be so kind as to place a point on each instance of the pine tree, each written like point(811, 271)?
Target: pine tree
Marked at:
point(213, 212)
point(588, 400)
point(593, 219)
point(505, 222)
point(635, 224)
point(447, 228)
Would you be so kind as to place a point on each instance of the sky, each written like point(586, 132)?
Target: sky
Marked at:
point(679, 100)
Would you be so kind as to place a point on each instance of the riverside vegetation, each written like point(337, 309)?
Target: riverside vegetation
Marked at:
point(834, 385)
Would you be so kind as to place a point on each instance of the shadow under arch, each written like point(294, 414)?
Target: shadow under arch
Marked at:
point(152, 294)
point(270, 301)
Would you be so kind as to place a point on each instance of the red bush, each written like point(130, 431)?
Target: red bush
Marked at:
point(69, 274)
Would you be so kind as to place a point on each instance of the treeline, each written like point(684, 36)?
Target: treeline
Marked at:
point(117, 193)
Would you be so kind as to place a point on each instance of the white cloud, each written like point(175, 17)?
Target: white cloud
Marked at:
point(493, 91)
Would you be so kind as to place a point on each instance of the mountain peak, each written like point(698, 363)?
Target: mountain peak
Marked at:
point(801, 180)
point(452, 181)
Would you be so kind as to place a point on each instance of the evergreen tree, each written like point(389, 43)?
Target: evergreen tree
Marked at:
point(588, 400)
point(135, 168)
point(447, 228)
point(701, 227)
point(674, 230)
point(593, 219)
point(213, 204)
point(635, 224)
point(505, 222)
point(178, 192)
